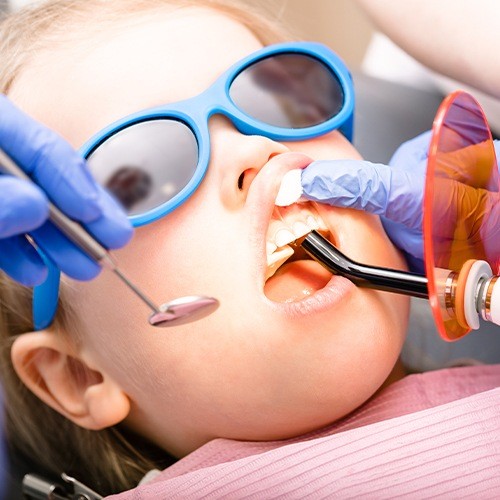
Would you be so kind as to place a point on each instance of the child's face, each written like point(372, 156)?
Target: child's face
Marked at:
point(261, 367)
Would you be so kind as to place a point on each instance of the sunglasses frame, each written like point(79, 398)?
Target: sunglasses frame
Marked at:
point(195, 113)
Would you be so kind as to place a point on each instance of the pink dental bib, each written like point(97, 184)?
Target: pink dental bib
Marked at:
point(431, 434)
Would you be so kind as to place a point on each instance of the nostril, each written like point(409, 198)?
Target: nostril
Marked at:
point(246, 177)
point(241, 178)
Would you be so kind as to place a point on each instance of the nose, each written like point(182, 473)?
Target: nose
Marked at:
point(237, 158)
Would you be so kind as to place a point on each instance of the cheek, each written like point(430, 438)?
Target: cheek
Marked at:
point(190, 247)
point(362, 238)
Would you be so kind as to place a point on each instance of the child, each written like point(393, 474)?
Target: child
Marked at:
point(288, 351)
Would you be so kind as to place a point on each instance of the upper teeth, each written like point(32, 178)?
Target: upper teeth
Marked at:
point(288, 224)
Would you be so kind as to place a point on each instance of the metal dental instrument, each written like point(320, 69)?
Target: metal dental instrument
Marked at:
point(178, 311)
point(389, 280)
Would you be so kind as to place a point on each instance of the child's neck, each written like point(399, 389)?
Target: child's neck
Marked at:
point(397, 373)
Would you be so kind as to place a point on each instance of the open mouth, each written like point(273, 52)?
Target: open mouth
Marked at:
point(291, 275)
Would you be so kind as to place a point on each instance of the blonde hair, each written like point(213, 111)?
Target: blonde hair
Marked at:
point(107, 460)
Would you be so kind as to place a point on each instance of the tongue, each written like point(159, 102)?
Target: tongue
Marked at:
point(296, 281)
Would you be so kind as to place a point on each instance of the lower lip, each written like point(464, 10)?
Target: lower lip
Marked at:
point(325, 299)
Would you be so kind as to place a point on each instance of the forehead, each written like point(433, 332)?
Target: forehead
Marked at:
point(82, 86)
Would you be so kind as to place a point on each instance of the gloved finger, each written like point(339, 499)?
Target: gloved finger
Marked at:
point(472, 165)
point(66, 256)
point(489, 233)
point(347, 183)
point(23, 206)
point(469, 218)
point(413, 153)
point(112, 229)
point(458, 209)
point(381, 190)
point(21, 261)
point(406, 239)
point(51, 162)
point(496, 145)
point(415, 265)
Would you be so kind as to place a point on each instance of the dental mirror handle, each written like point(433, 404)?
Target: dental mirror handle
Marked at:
point(76, 232)
point(388, 280)
point(178, 311)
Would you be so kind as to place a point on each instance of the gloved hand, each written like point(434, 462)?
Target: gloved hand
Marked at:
point(63, 175)
point(394, 192)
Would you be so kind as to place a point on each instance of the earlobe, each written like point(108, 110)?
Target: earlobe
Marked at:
point(65, 382)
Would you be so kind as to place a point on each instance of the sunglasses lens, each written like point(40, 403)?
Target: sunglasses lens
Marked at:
point(288, 90)
point(146, 164)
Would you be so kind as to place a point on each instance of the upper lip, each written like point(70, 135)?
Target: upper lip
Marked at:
point(262, 195)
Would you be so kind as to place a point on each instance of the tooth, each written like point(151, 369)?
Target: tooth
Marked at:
point(312, 222)
point(322, 225)
point(283, 237)
point(270, 247)
point(316, 222)
point(292, 222)
point(281, 255)
point(300, 229)
point(275, 225)
point(319, 220)
point(275, 260)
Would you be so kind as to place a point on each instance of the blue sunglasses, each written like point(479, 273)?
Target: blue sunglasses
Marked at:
point(153, 161)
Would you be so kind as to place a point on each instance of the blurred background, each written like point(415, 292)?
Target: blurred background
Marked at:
point(337, 23)
point(340, 24)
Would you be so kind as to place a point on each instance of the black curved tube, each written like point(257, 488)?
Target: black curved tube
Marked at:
point(379, 278)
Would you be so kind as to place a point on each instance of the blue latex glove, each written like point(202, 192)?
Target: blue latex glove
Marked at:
point(66, 180)
point(394, 192)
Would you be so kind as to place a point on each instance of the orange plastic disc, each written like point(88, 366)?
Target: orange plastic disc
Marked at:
point(461, 204)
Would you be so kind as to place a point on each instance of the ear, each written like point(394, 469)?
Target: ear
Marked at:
point(88, 397)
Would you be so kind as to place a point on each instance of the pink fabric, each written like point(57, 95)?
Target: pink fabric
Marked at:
point(432, 434)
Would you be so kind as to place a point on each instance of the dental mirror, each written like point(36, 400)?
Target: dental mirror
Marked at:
point(183, 310)
point(176, 312)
